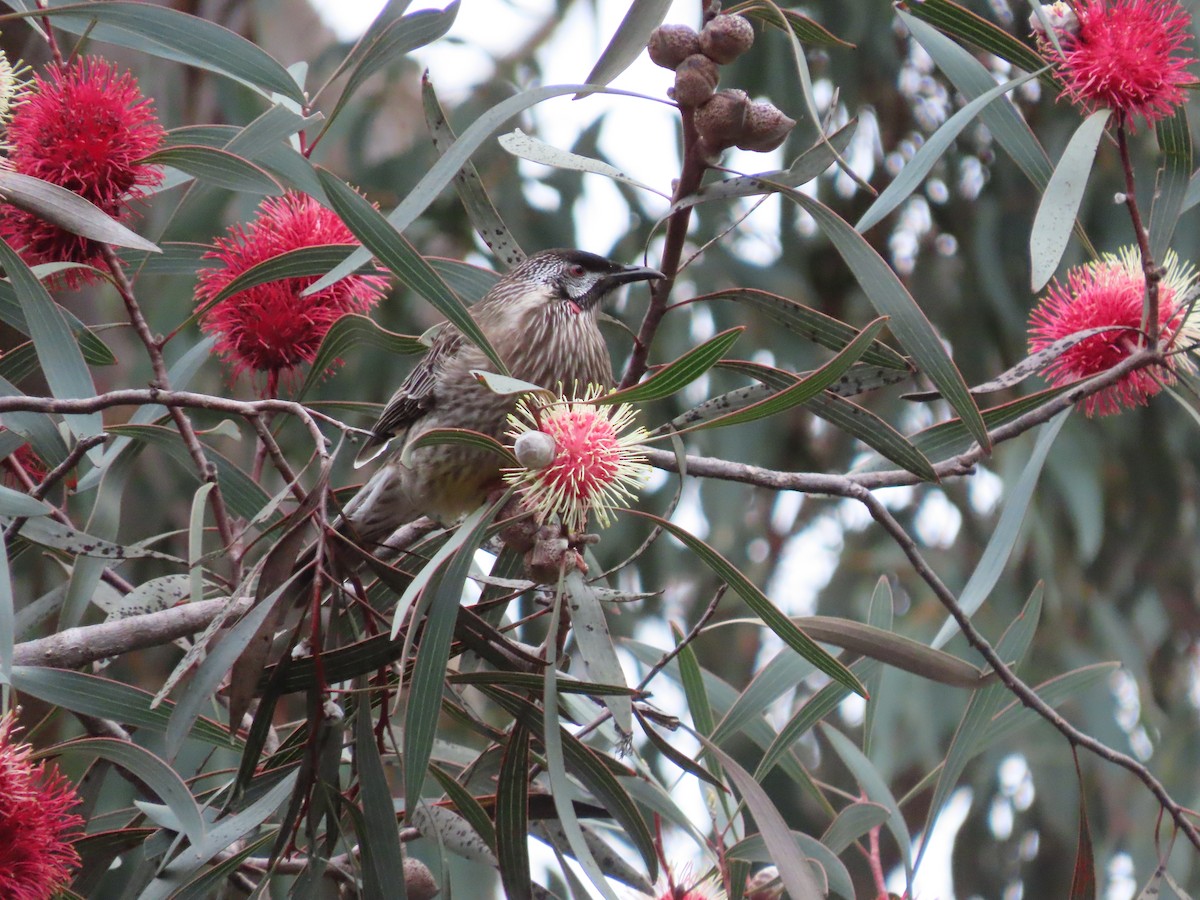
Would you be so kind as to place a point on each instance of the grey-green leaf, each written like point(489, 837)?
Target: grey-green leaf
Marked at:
point(1060, 202)
point(68, 211)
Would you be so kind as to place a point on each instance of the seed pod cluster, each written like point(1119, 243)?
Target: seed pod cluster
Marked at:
point(725, 118)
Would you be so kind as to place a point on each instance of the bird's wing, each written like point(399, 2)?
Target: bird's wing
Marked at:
point(413, 399)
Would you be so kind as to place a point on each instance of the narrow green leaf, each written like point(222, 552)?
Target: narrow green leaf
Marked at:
point(68, 211)
point(170, 34)
point(467, 806)
point(1083, 875)
point(16, 503)
point(217, 167)
point(1004, 538)
point(152, 771)
point(906, 320)
point(469, 186)
point(804, 28)
point(429, 671)
point(391, 43)
point(1175, 145)
point(960, 22)
point(852, 823)
point(1060, 201)
point(561, 787)
point(590, 630)
point(96, 696)
point(216, 664)
point(244, 496)
point(1055, 691)
point(873, 431)
point(512, 815)
point(386, 859)
point(61, 360)
point(678, 374)
point(521, 145)
point(972, 78)
point(804, 389)
point(984, 703)
point(395, 252)
point(797, 878)
point(642, 17)
point(355, 331)
point(462, 437)
point(196, 541)
point(821, 860)
point(8, 627)
point(932, 150)
point(877, 791)
point(893, 649)
point(780, 624)
point(468, 281)
point(448, 164)
point(223, 834)
point(785, 670)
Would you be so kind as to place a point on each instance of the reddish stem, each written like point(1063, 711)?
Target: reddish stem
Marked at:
point(1150, 269)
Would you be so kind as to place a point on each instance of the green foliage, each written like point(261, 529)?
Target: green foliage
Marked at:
point(769, 635)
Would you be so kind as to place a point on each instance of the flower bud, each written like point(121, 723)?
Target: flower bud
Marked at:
point(534, 449)
point(765, 128)
point(695, 81)
point(671, 44)
point(725, 38)
point(721, 121)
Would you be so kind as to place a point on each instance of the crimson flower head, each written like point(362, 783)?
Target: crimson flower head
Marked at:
point(1109, 292)
point(272, 327)
point(85, 127)
point(37, 828)
point(1126, 55)
point(575, 459)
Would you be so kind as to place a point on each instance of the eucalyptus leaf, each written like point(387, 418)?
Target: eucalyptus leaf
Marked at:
point(1060, 201)
point(68, 211)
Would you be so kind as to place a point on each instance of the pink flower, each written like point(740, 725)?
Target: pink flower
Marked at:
point(272, 328)
point(585, 465)
point(1126, 55)
point(1110, 291)
point(85, 128)
point(36, 827)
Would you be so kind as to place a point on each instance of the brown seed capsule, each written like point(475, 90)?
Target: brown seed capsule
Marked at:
point(695, 80)
point(765, 128)
point(725, 38)
point(721, 121)
point(671, 44)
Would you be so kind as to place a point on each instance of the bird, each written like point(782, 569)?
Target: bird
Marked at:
point(542, 320)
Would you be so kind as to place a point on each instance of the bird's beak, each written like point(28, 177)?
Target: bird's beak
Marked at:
point(630, 274)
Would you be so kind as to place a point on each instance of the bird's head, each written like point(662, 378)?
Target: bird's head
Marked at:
point(577, 279)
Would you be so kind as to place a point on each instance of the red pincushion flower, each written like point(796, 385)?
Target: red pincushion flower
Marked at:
point(272, 328)
point(1127, 55)
point(1109, 291)
point(578, 461)
point(86, 128)
point(36, 826)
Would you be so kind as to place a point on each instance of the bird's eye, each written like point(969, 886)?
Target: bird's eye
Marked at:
point(576, 270)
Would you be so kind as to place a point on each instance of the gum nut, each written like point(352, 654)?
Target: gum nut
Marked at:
point(695, 81)
point(721, 121)
point(534, 449)
point(418, 880)
point(671, 44)
point(765, 129)
point(725, 38)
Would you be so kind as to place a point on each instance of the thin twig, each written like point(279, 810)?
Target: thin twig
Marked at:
point(183, 424)
point(1027, 695)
